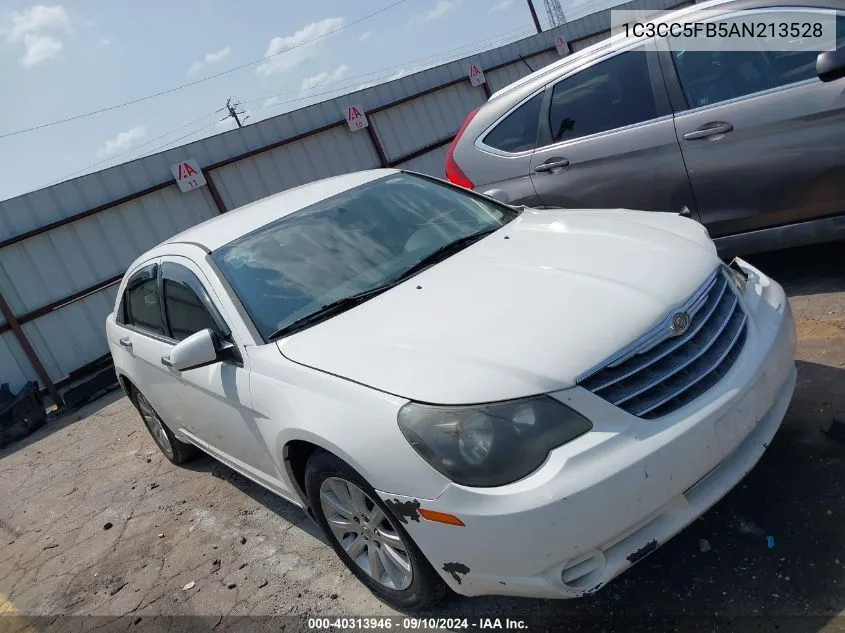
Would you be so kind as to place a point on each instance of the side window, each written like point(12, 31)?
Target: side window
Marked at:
point(141, 302)
point(517, 132)
point(186, 312)
point(709, 77)
point(608, 95)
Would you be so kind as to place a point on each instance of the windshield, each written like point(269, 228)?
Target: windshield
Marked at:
point(348, 244)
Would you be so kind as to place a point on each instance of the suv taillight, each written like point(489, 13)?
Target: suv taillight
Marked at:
point(453, 172)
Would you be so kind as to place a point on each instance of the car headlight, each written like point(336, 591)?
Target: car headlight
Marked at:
point(490, 444)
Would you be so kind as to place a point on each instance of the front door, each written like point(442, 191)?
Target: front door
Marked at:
point(762, 137)
point(609, 139)
point(216, 407)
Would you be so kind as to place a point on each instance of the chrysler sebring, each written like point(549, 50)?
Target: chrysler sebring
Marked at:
point(432, 374)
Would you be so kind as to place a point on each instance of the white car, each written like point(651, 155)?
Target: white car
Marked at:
point(461, 393)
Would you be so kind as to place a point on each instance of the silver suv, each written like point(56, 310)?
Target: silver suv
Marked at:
point(752, 143)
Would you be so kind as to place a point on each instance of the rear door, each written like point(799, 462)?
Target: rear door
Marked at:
point(761, 135)
point(607, 139)
point(143, 341)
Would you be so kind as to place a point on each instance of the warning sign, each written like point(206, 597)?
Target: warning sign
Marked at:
point(476, 75)
point(355, 118)
point(188, 175)
point(562, 46)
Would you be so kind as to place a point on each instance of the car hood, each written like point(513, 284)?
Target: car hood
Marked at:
point(523, 311)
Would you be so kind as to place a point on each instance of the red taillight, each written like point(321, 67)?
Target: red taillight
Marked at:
point(453, 172)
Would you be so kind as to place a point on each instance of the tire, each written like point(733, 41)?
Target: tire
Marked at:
point(174, 450)
point(325, 473)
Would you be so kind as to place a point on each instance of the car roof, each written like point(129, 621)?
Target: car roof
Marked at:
point(609, 44)
point(220, 230)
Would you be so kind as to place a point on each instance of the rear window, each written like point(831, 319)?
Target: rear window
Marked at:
point(517, 132)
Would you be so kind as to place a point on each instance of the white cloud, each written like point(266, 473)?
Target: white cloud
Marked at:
point(271, 102)
point(219, 56)
point(39, 48)
point(122, 141)
point(36, 28)
point(364, 36)
point(299, 50)
point(209, 58)
point(324, 78)
point(500, 6)
point(105, 42)
point(440, 9)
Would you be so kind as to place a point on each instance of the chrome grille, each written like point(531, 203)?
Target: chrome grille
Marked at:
point(664, 370)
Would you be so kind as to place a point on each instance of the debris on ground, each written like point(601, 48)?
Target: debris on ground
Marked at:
point(231, 585)
point(102, 383)
point(161, 535)
point(153, 486)
point(243, 540)
point(215, 565)
point(189, 586)
point(117, 588)
point(50, 546)
point(704, 545)
point(108, 526)
point(21, 414)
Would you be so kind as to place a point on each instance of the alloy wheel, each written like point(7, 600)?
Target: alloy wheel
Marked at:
point(366, 533)
point(155, 425)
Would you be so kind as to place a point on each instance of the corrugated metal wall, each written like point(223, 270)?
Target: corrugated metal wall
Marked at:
point(335, 151)
point(63, 248)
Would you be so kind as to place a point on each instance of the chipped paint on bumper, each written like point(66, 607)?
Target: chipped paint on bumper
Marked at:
point(604, 502)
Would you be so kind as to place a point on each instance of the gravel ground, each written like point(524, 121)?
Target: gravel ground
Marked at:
point(95, 522)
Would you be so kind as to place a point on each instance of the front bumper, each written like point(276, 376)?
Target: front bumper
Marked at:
point(602, 502)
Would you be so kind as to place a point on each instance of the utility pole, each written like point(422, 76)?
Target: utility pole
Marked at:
point(555, 13)
point(233, 111)
point(534, 17)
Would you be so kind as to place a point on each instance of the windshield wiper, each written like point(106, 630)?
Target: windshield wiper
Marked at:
point(329, 310)
point(342, 305)
point(443, 252)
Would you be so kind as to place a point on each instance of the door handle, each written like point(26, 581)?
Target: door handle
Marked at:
point(552, 164)
point(710, 129)
point(126, 342)
point(165, 360)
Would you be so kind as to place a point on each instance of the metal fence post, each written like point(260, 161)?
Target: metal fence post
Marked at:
point(371, 132)
point(12, 320)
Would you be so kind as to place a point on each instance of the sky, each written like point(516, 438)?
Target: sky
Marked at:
point(62, 60)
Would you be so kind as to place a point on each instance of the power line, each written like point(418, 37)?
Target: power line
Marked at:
point(198, 81)
point(433, 59)
point(344, 84)
point(135, 148)
point(414, 63)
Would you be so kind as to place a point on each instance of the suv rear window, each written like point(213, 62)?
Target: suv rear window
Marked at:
point(517, 132)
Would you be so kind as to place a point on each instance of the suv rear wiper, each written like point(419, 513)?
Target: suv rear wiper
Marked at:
point(342, 305)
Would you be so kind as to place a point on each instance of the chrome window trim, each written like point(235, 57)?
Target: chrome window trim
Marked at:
point(481, 145)
point(616, 130)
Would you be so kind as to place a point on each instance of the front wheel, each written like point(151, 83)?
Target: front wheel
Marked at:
point(367, 537)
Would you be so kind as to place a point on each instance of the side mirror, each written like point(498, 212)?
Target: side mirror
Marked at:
point(498, 194)
point(831, 64)
point(195, 351)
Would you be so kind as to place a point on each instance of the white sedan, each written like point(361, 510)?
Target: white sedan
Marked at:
point(461, 393)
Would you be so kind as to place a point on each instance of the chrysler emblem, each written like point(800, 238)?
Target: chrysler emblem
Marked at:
point(680, 323)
